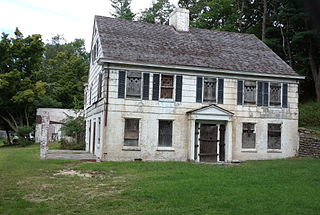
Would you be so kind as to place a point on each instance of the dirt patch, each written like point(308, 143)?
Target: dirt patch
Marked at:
point(70, 172)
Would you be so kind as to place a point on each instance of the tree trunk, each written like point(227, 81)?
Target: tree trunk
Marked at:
point(264, 20)
point(315, 70)
point(8, 136)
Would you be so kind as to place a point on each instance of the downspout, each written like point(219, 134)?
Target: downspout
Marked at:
point(107, 95)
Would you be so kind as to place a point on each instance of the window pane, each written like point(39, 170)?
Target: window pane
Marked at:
point(250, 92)
point(134, 84)
point(131, 132)
point(248, 136)
point(274, 136)
point(275, 94)
point(166, 87)
point(165, 133)
point(210, 86)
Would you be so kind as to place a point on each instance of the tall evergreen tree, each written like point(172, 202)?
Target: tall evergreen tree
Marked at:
point(122, 9)
point(158, 13)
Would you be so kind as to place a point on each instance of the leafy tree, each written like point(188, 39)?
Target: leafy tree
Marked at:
point(158, 13)
point(20, 59)
point(75, 127)
point(65, 69)
point(122, 9)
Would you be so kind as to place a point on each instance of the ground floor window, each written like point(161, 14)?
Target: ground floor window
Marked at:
point(274, 136)
point(248, 136)
point(131, 132)
point(165, 133)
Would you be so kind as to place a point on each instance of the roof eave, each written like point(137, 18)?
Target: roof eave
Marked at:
point(101, 61)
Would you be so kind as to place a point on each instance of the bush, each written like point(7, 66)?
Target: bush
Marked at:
point(75, 127)
point(71, 145)
point(23, 137)
point(309, 114)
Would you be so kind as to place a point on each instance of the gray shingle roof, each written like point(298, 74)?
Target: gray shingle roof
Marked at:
point(140, 42)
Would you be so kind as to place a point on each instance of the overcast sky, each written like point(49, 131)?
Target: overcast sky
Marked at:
point(70, 18)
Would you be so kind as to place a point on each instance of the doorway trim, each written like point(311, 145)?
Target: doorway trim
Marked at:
point(211, 114)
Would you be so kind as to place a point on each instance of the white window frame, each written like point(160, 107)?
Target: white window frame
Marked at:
point(216, 102)
point(173, 90)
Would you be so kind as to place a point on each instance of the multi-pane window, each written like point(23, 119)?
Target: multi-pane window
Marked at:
point(275, 94)
point(249, 92)
point(166, 87)
point(274, 136)
point(131, 132)
point(210, 89)
point(133, 88)
point(248, 136)
point(165, 133)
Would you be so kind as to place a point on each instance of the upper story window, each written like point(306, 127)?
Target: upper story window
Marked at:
point(95, 51)
point(262, 93)
point(210, 89)
point(166, 87)
point(100, 82)
point(275, 94)
point(133, 88)
point(250, 92)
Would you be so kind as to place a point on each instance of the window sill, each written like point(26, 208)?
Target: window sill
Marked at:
point(249, 150)
point(168, 149)
point(274, 151)
point(131, 148)
point(167, 100)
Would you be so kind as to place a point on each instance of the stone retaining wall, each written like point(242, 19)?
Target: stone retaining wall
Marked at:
point(309, 146)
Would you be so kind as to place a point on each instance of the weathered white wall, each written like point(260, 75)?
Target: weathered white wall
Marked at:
point(149, 112)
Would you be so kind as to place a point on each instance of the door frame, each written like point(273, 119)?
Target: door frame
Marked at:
point(197, 142)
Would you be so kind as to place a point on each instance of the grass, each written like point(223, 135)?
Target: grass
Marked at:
point(1, 141)
point(309, 115)
point(29, 186)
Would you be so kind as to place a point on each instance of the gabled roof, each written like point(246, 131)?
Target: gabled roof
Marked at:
point(139, 42)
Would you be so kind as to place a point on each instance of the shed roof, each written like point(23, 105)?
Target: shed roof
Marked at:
point(139, 42)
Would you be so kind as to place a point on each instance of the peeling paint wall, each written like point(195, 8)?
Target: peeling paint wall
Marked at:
point(150, 112)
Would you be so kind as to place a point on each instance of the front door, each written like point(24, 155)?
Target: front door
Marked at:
point(208, 143)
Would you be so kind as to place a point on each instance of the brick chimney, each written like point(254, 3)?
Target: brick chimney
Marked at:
point(179, 19)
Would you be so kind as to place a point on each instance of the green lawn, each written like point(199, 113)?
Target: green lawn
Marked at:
point(30, 186)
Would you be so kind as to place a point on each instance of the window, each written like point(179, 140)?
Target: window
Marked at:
point(209, 89)
point(166, 87)
point(274, 136)
point(131, 132)
point(248, 136)
point(165, 133)
point(133, 88)
point(275, 94)
point(249, 93)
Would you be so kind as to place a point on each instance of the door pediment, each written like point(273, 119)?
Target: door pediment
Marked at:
point(211, 112)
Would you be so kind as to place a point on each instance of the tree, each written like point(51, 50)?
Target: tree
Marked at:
point(20, 59)
point(64, 71)
point(122, 9)
point(158, 13)
point(75, 127)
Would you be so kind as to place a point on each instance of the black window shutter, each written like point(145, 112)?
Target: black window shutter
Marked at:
point(199, 90)
point(121, 85)
point(265, 94)
point(178, 88)
point(240, 93)
point(100, 86)
point(155, 89)
point(146, 80)
point(260, 86)
point(285, 95)
point(220, 90)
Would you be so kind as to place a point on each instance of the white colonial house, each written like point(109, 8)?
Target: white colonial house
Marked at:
point(174, 93)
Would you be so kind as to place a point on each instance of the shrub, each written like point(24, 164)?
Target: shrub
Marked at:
point(75, 127)
point(72, 145)
point(309, 114)
point(23, 136)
